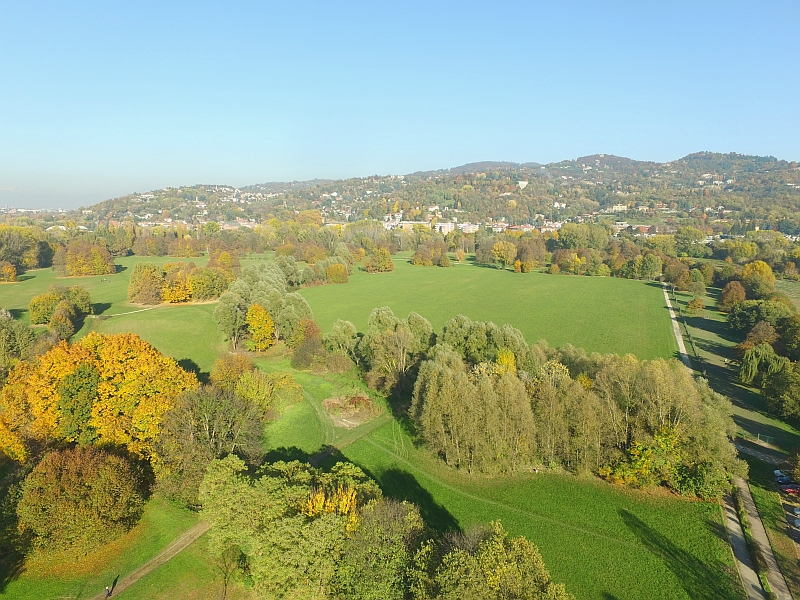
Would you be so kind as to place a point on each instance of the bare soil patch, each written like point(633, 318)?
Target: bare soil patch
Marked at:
point(351, 411)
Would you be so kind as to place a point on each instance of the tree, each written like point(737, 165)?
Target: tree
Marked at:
point(261, 327)
point(336, 273)
point(732, 294)
point(696, 306)
point(8, 272)
point(137, 385)
point(379, 262)
point(81, 497)
point(504, 253)
point(493, 566)
point(231, 316)
point(85, 258)
point(204, 424)
point(650, 267)
point(378, 554)
point(343, 338)
point(146, 284)
point(227, 370)
point(15, 340)
point(758, 279)
point(41, 307)
point(690, 241)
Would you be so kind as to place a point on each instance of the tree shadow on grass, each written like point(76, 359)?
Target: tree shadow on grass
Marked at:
point(401, 485)
point(98, 308)
point(700, 581)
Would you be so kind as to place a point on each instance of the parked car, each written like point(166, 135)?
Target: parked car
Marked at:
point(778, 473)
point(784, 480)
point(796, 523)
point(791, 488)
point(796, 511)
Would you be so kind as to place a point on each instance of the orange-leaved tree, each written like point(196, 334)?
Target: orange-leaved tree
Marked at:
point(261, 325)
point(119, 396)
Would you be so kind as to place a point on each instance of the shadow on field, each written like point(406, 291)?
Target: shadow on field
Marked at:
point(401, 485)
point(719, 328)
point(98, 308)
point(768, 433)
point(699, 581)
point(607, 596)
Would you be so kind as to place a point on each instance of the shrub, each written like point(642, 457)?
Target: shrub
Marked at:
point(227, 370)
point(337, 273)
point(8, 272)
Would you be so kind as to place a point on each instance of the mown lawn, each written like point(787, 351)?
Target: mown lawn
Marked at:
point(600, 314)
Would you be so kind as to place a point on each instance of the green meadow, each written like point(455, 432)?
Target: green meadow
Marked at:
point(600, 314)
point(604, 542)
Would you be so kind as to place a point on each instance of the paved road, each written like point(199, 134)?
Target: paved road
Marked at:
point(741, 552)
point(676, 329)
point(176, 546)
point(774, 576)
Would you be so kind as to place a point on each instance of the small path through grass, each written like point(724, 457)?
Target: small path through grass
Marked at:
point(180, 543)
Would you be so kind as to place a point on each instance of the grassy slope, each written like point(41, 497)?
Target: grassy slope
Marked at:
point(599, 314)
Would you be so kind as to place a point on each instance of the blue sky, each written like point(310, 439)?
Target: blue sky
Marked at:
point(100, 99)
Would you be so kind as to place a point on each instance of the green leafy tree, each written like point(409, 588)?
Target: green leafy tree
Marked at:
point(650, 267)
point(231, 316)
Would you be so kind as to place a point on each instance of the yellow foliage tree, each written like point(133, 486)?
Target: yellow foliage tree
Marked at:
point(136, 386)
point(8, 272)
point(262, 328)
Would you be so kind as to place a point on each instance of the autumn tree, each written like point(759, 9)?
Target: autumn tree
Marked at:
point(758, 279)
point(81, 497)
point(732, 294)
point(504, 253)
point(379, 262)
point(136, 385)
point(227, 370)
point(696, 306)
point(8, 272)
point(260, 326)
point(146, 284)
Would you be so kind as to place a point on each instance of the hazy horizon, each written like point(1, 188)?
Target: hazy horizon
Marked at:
point(100, 101)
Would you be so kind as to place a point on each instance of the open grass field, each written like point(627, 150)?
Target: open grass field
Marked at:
point(600, 314)
point(602, 541)
point(790, 288)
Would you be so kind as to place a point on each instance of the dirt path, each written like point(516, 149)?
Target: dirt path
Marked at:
point(167, 553)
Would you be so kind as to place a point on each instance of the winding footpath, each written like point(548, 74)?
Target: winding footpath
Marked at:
point(741, 553)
